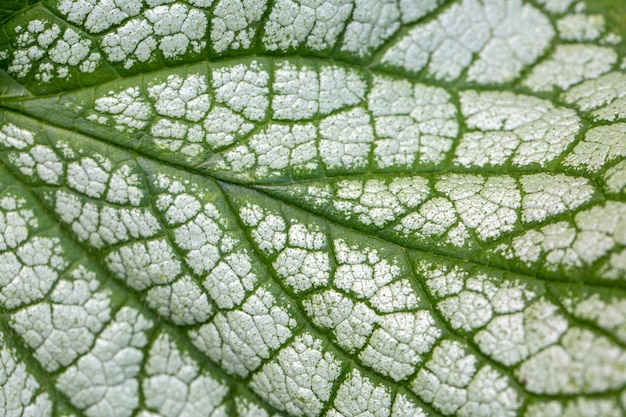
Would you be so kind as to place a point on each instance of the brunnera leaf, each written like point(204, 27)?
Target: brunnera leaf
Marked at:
point(312, 208)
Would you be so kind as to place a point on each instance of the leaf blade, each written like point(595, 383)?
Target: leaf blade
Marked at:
point(276, 226)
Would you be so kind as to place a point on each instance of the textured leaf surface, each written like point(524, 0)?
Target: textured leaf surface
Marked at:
point(303, 208)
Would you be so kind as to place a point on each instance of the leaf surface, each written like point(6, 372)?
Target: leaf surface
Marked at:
point(340, 208)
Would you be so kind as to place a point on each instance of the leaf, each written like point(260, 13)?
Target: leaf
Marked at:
point(340, 208)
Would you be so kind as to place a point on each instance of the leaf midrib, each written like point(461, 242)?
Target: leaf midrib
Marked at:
point(260, 188)
point(370, 69)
